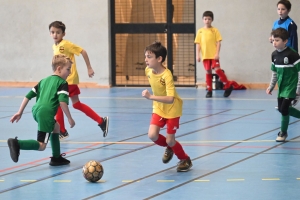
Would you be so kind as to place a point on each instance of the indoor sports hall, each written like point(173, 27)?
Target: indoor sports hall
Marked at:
point(230, 141)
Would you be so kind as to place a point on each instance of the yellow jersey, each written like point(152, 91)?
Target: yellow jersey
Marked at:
point(69, 49)
point(207, 38)
point(163, 85)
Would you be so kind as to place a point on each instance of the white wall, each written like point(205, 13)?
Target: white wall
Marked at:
point(26, 45)
point(245, 27)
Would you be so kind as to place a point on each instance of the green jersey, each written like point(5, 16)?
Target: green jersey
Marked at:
point(286, 64)
point(49, 92)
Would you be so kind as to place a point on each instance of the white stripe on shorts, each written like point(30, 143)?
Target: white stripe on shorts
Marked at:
point(46, 138)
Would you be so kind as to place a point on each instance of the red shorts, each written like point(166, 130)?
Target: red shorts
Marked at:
point(211, 64)
point(73, 90)
point(172, 124)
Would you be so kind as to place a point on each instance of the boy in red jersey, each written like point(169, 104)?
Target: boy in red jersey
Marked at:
point(61, 46)
point(208, 43)
point(167, 106)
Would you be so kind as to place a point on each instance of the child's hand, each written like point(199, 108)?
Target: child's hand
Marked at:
point(268, 91)
point(16, 117)
point(91, 72)
point(217, 57)
point(198, 59)
point(146, 94)
point(71, 122)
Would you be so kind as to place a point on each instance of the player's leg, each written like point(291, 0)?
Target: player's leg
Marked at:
point(185, 162)
point(60, 119)
point(156, 124)
point(103, 122)
point(208, 77)
point(283, 108)
point(227, 87)
point(56, 159)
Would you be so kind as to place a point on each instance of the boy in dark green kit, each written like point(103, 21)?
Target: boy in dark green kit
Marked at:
point(50, 93)
point(285, 72)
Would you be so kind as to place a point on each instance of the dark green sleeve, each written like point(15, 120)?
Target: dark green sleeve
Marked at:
point(32, 93)
point(63, 93)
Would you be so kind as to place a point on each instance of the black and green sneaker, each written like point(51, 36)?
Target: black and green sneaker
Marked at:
point(59, 161)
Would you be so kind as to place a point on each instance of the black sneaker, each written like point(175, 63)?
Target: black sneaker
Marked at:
point(59, 161)
point(14, 148)
point(168, 155)
point(104, 126)
point(64, 135)
point(228, 91)
point(184, 165)
point(281, 136)
point(208, 94)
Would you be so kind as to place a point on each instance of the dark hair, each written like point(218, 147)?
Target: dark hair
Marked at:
point(286, 3)
point(158, 49)
point(208, 14)
point(280, 33)
point(58, 24)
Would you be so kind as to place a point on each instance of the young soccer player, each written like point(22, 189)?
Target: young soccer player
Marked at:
point(284, 21)
point(61, 46)
point(50, 93)
point(167, 106)
point(208, 44)
point(285, 72)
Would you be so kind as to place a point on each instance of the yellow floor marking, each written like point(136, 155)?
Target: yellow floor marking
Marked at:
point(201, 180)
point(298, 178)
point(1, 180)
point(62, 181)
point(235, 179)
point(101, 181)
point(163, 181)
point(270, 179)
point(27, 180)
point(129, 181)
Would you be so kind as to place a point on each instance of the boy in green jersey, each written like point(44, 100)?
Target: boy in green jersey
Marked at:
point(285, 72)
point(50, 93)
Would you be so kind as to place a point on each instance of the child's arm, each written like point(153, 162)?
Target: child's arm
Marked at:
point(162, 99)
point(87, 62)
point(217, 56)
point(272, 83)
point(18, 115)
point(198, 50)
point(66, 110)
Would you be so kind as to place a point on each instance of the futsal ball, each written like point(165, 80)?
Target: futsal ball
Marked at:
point(92, 171)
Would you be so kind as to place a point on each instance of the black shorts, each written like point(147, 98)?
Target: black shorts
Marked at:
point(43, 137)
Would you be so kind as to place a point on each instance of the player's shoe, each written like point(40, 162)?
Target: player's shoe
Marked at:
point(281, 136)
point(228, 91)
point(59, 161)
point(14, 148)
point(208, 94)
point(104, 126)
point(64, 135)
point(184, 165)
point(168, 155)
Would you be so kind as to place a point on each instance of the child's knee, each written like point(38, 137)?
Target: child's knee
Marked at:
point(42, 146)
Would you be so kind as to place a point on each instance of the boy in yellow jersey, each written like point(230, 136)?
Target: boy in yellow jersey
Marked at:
point(61, 46)
point(208, 43)
point(167, 106)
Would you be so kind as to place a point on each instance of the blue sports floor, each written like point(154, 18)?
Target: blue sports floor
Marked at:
point(231, 142)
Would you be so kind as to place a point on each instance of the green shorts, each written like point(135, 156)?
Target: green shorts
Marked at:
point(44, 116)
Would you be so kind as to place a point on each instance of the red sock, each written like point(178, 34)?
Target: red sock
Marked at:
point(179, 152)
point(209, 82)
point(161, 141)
point(222, 77)
point(88, 111)
point(60, 119)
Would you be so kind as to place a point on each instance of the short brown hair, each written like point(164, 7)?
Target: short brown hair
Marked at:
point(58, 24)
point(60, 60)
point(280, 33)
point(158, 49)
point(208, 14)
point(286, 3)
